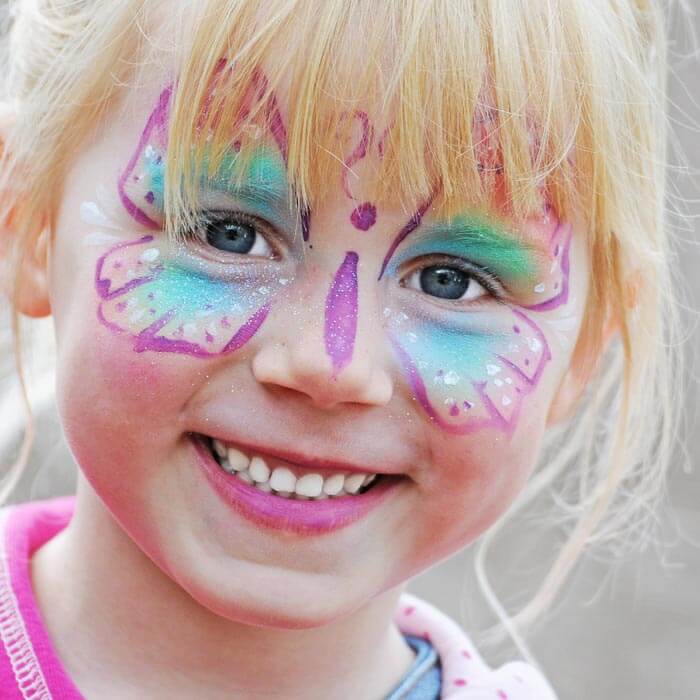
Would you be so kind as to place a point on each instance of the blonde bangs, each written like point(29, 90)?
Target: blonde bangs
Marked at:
point(475, 104)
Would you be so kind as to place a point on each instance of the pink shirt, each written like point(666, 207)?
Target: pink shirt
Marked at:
point(31, 669)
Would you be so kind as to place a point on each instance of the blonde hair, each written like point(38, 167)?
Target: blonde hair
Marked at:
point(573, 91)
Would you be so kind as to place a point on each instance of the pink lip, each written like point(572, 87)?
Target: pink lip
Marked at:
point(301, 517)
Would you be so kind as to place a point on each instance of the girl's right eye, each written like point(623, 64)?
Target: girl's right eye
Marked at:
point(236, 232)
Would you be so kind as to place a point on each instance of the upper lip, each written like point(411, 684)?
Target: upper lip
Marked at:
point(303, 460)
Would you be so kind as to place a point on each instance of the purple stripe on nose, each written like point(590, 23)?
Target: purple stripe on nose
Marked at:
point(341, 313)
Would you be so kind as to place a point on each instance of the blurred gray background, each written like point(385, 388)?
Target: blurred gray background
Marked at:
point(624, 632)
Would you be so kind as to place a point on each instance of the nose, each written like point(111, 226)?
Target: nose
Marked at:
point(328, 347)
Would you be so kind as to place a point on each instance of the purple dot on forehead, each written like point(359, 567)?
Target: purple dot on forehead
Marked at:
point(364, 216)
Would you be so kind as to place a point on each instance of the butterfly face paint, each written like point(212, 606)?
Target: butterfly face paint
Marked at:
point(171, 297)
point(471, 368)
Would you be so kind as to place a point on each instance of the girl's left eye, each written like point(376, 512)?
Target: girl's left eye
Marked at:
point(447, 282)
point(236, 232)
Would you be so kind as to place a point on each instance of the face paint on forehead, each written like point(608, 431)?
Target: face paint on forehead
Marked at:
point(141, 184)
point(472, 369)
point(364, 215)
point(341, 314)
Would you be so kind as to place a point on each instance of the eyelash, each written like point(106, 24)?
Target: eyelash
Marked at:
point(487, 279)
point(482, 275)
point(216, 216)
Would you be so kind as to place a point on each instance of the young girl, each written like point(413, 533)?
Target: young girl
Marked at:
point(324, 275)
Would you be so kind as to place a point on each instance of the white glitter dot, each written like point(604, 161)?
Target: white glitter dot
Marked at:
point(539, 288)
point(451, 378)
point(506, 401)
point(509, 380)
point(189, 330)
point(413, 338)
point(498, 382)
point(149, 255)
point(535, 344)
point(137, 315)
point(492, 369)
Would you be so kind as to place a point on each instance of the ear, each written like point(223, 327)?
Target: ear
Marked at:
point(24, 277)
point(582, 367)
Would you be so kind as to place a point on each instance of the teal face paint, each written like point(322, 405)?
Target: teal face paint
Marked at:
point(471, 238)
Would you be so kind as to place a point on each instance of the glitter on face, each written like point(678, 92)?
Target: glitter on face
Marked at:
point(341, 313)
point(473, 369)
point(167, 302)
point(164, 295)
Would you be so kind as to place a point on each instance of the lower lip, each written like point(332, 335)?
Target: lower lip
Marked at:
point(300, 517)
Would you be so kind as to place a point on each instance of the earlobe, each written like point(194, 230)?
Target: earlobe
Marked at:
point(25, 268)
point(581, 369)
point(30, 291)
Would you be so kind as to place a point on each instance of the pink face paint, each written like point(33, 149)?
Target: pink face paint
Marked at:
point(364, 215)
point(341, 313)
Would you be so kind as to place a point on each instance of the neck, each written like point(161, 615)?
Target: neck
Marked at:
point(140, 631)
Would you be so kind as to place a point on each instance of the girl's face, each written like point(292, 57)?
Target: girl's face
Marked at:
point(356, 337)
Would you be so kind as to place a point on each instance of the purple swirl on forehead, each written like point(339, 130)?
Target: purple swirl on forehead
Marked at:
point(341, 313)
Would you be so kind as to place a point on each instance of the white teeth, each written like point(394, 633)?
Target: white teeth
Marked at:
point(220, 449)
point(334, 484)
point(237, 460)
point(353, 482)
point(258, 469)
point(283, 479)
point(309, 485)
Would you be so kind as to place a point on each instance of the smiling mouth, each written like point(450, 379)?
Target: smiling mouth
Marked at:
point(287, 479)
